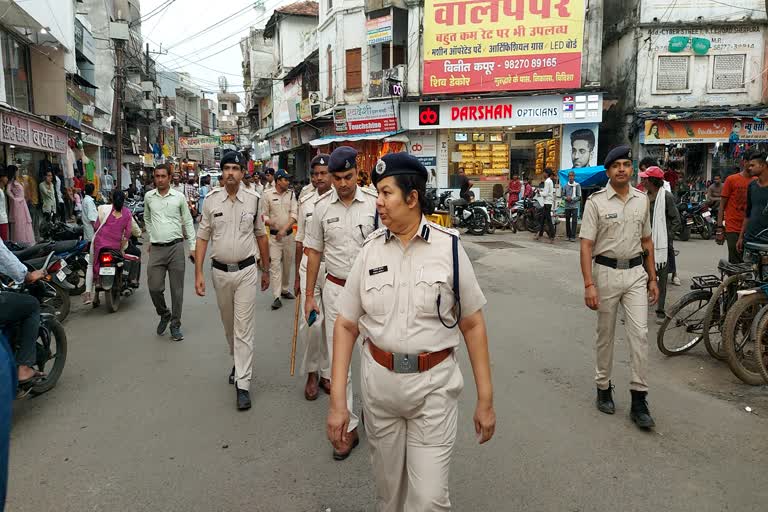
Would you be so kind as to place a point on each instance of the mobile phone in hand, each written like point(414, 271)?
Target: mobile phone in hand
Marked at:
point(312, 317)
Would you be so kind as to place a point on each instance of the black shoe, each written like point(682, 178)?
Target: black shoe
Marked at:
point(243, 399)
point(604, 400)
point(163, 325)
point(232, 376)
point(639, 412)
point(287, 295)
point(277, 304)
point(176, 334)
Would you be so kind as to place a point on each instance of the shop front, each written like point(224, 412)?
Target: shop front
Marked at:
point(699, 149)
point(31, 144)
point(492, 140)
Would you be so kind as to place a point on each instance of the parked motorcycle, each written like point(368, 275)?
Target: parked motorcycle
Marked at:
point(473, 216)
point(696, 218)
point(114, 277)
point(136, 207)
point(499, 216)
point(60, 231)
point(73, 252)
point(51, 353)
point(55, 283)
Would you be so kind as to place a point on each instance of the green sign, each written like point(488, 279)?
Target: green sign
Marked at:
point(678, 43)
point(700, 45)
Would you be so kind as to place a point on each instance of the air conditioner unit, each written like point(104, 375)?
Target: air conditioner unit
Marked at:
point(314, 98)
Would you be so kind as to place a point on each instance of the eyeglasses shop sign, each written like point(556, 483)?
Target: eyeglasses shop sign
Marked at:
point(504, 112)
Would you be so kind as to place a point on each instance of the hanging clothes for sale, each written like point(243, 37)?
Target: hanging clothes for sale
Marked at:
point(125, 176)
point(90, 169)
point(70, 163)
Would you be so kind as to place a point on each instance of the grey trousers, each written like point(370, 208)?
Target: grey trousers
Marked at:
point(171, 260)
point(662, 276)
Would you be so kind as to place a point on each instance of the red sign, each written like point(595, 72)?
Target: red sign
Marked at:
point(482, 112)
point(365, 118)
point(227, 138)
point(429, 115)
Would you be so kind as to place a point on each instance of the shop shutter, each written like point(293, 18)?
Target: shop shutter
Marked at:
point(728, 71)
point(354, 70)
point(672, 73)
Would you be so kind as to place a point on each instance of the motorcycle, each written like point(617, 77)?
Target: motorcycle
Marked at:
point(473, 216)
point(136, 207)
point(115, 269)
point(499, 216)
point(527, 215)
point(58, 231)
point(51, 353)
point(696, 218)
point(73, 252)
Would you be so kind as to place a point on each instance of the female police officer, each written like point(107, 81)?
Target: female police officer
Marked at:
point(412, 293)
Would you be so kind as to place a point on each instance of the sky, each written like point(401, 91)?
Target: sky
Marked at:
point(173, 25)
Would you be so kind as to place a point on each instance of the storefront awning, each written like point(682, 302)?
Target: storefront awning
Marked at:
point(386, 136)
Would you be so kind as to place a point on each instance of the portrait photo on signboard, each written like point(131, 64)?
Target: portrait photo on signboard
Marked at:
point(579, 146)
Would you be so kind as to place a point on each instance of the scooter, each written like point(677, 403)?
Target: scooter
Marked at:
point(115, 270)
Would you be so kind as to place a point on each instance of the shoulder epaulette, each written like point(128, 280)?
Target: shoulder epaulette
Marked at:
point(596, 192)
point(370, 192)
point(327, 194)
point(447, 231)
point(375, 234)
point(306, 197)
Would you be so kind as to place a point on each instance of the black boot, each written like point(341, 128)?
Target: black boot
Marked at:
point(639, 412)
point(604, 400)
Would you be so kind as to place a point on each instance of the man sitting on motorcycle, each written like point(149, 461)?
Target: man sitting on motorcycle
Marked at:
point(24, 310)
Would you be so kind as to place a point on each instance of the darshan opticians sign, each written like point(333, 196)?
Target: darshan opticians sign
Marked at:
point(504, 112)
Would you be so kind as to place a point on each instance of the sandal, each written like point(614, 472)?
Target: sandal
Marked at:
point(34, 379)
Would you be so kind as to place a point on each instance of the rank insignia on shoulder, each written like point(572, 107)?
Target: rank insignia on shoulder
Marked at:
point(377, 270)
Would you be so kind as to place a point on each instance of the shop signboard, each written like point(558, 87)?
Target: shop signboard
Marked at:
point(205, 142)
point(504, 112)
point(25, 132)
point(281, 142)
point(579, 146)
point(423, 145)
point(227, 138)
point(706, 131)
point(502, 45)
point(379, 29)
point(91, 137)
point(654, 11)
point(365, 118)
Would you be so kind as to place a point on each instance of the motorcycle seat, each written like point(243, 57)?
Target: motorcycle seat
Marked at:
point(755, 246)
point(36, 263)
point(32, 252)
point(65, 245)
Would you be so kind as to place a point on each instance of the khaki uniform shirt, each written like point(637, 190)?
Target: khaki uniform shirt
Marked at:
point(307, 189)
point(306, 209)
point(616, 226)
point(279, 208)
point(339, 231)
point(232, 226)
point(392, 290)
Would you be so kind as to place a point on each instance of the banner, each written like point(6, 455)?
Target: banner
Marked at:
point(705, 131)
point(199, 142)
point(365, 118)
point(502, 45)
point(379, 29)
point(578, 148)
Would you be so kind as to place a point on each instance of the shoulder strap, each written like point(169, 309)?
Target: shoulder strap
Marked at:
point(376, 220)
point(455, 251)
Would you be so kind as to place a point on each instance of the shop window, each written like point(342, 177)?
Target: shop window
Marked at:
point(728, 72)
point(223, 107)
point(673, 74)
point(16, 71)
point(354, 70)
point(398, 55)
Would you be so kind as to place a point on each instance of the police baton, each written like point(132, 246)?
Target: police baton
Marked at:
point(295, 334)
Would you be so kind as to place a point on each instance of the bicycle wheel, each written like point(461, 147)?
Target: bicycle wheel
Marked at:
point(714, 318)
point(761, 347)
point(738, 345)
point(683, 328)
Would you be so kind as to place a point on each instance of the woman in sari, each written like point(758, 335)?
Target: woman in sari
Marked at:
point(20, 219)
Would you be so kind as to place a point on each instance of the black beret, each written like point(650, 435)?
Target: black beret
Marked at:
point(343, 158)
point(232, 157)
point(270, 171)
point(622, 152)
point(398, 164)
point(321, 159)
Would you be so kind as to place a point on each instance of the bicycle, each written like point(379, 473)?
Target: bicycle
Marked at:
point(683, 327)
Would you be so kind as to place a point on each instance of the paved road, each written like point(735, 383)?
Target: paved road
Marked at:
point(139, 423)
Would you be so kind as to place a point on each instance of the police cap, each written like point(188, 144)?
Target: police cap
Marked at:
point(398, 164)
point(343, 158)
point(321, 159)
point(282, 173)
point(622, 152)
point(232, 157)
point(269, 171)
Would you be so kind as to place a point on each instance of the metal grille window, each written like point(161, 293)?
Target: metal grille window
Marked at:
point(728, 71)
point(672, 73)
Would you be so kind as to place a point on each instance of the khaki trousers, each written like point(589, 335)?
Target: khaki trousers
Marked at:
point(236, 295)
point(314, 357)
point(331, 296)
point(281, 255)
point(410, 422)
point(627, 288)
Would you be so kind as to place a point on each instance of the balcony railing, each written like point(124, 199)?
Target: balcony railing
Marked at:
point(384, 83)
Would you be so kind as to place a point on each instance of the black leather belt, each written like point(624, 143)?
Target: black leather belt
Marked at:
point(274, 232)
point(233, 267)
point(619, 264)
point(168, 244)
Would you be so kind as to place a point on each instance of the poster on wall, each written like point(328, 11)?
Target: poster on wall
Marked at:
point(423, 145)
point(706, 131)
point(502, 45)
point(579, 146)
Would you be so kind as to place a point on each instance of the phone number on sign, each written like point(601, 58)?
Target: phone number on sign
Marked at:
point(529, 63)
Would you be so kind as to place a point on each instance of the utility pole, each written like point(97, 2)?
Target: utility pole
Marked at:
point(119, 81)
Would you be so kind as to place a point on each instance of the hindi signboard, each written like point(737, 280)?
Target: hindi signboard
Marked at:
point(204, 142)
point(379, 29)
point(502, 45)
point(705, 131)
point(365, 118)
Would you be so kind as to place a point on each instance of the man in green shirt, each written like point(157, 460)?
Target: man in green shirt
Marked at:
point(168, 223)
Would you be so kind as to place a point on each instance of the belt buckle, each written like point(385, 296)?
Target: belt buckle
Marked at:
point(405, 363)
point(622, 264)
point(233, 267)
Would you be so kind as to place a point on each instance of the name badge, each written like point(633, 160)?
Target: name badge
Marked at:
point(377, 270)
point(331, 221)
point(612, 216)
point(218, 214)
point(309, 214)
point(275, 199)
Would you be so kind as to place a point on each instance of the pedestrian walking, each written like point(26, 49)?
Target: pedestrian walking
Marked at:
point(177, 185)
point(232, 223)
point(665, 223)
point(280, 214)
point(20, 217)
point(107, 185)
point(48, 197)
point(342, 220)
point(615, 234)
point(314, 359)
point(168, 222)
point(411, 276)
point(730, 215)
point(90, 214)
point(548, 196)
point(755, 225)
point(572, 194)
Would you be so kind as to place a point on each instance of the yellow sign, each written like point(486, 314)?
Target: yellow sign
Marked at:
point(502, 45)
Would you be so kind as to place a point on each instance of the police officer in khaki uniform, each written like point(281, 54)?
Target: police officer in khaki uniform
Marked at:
point(342, 220)
point(412, 294)
point(615, 239)
point(232, 222)
point(314, 359)
point(280, 214)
